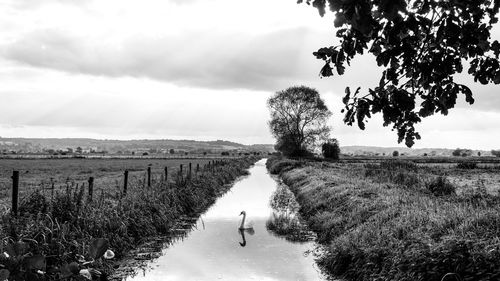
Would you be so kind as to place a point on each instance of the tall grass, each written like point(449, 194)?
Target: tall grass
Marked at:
point(60, 230)
point(380, 231)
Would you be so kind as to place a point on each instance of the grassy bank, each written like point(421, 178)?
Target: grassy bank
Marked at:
point(396, 221)
point(56, 238)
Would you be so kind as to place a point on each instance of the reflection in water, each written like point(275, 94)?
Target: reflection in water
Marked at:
point(250, 231)
point(215, 252)
point(285, 220)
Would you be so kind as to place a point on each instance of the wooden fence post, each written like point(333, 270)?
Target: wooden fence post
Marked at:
point(197, 167)
point(15, 191)
point(166, 173)
point(125, 182)
point(149, 176)
point(91, 187)
point(189, 169)
point(180, 171)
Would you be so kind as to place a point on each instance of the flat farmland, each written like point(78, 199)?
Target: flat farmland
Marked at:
point(42, 174)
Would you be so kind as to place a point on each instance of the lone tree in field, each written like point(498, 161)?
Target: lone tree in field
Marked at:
point(421, 44)
point(395, 153)
point(331, 149)
point(298, 120)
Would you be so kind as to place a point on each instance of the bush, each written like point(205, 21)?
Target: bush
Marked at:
point(331, 149)
point(395, 153)
point(441, 186)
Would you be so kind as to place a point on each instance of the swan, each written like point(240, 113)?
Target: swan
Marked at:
point(248, 225)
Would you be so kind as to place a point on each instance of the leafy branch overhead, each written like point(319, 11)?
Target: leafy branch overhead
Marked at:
point(421, 44)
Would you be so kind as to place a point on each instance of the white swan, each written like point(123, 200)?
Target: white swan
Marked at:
point(248, 225)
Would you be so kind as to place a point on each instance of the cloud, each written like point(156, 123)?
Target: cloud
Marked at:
point(221, 61)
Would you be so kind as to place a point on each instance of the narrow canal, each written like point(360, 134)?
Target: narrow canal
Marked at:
point(218, 250)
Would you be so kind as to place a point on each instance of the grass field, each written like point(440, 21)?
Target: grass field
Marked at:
point(400, 220)
point(40, 174)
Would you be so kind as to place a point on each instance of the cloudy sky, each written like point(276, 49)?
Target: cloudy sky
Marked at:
point(195, 69)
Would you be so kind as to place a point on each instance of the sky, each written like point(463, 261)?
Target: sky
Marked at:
point(190, 69)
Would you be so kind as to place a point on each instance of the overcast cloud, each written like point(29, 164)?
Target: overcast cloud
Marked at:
point(187, 69)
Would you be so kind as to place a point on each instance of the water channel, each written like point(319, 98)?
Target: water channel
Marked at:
point(217, 250)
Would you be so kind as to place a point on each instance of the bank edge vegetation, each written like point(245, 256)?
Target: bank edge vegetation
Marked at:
point(395, 220)
point(55, 239)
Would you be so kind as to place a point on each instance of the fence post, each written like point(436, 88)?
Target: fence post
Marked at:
point(149, 176)
point(91, 187)
point(189, 169)
point(166, 174)
point(197, 167)
point(180, 169)
point(15, 191)
point(125, 182)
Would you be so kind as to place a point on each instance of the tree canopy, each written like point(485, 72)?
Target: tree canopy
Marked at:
point(298, 120)
point(420, 44)
point(331, 149)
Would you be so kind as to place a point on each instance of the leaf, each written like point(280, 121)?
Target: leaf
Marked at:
point(35, 263)
point(496, 80)
point(468, 94)
point(347, 96)
point(98, 247)
point(340, 68)
point(86, 273)
point(70, 269)
point(326, 71)
point(17, 249)
point(4, 274)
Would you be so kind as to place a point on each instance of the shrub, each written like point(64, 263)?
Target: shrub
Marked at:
point(441, 186)
point(395, 153)
point(331, 149)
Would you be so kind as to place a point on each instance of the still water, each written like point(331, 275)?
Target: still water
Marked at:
point(217, 250)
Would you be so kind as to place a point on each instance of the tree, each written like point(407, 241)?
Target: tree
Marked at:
point(395, 153)
point(298, 120)
point(495, 153)
point(331, 149)
point(462, 152)
point(171, 151)
point(421, 44)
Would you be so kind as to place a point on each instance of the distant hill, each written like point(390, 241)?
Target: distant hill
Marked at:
point(116, 146)
point(374, 150)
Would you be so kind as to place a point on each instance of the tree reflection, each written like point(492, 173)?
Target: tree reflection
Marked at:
point(285, 220)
